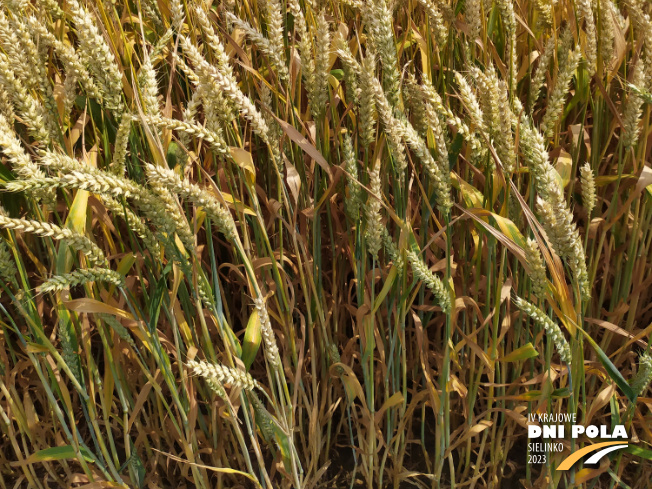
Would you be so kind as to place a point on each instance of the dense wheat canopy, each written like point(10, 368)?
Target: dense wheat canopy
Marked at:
point(310, 243)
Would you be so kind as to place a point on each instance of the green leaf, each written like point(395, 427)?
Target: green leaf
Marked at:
point(564, 166)
point(509, 229)
point(611, 369)
point(136, 465)
point(530, 395)
point(171, 156)
point(140, 471)
point(284, 445)
point(454, 150)
point(338, 74)
point(471, 195)
point(126, 263)
point(59, 453)
point(156, 302)
point(639, 452)
point(522, 353)
point(388, 285)
point(560, 393)
point(76, 221)
point(5, 174)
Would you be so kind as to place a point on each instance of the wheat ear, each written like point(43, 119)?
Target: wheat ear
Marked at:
point(551, 328)
point(201, 197)
point(588, 188)
point(80, 277)
point(643, 377)
point(46, 229)
point(269, 338)
point(223, 375)
point(432, 281)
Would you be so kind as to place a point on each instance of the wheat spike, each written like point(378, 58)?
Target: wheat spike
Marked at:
point(434, 283)
point(548, 325)
point(588, 188)
point(223, 375)
point(271, 348)
point(46, 229)
point(80, 277)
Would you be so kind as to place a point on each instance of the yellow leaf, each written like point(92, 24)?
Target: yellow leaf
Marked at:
point(509, 229)
point(585, 474)
point(522, 353)
point(237, 205)
point(472, 196)
point(35, 348)
point(395, 400)
point(252, 339)
point(126, 263)
point(564, 166)
point(388, 284)
point(244, 160)
point(92, 306)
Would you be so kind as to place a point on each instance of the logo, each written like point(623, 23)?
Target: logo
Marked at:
point(545, 429)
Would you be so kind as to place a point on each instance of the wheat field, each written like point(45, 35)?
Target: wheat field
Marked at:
point(323, 244)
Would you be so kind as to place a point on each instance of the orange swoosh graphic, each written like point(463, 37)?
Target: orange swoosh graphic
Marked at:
point(570, 460)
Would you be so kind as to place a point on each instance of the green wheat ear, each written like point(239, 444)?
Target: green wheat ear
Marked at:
point(45, 229)
point(8, 268)
point(58, 283)
point(551, 328)
point(587, 180)
point(373, 233)
point(538, 269)
point(432, 281)
point(643, 376)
